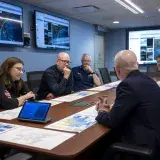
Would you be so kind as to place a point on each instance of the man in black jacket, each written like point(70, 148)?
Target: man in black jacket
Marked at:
point(57, 79)
point(137, 104)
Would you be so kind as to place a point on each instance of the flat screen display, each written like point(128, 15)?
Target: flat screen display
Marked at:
point(11, 24)
point(146, 45)
point(51, 32)
point(34, 111)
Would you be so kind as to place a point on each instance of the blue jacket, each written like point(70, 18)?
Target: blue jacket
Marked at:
point(82, 79)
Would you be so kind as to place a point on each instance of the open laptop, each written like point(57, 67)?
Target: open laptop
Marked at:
point(34, 112)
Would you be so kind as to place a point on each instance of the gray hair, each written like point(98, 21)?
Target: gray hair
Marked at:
point(84, 55)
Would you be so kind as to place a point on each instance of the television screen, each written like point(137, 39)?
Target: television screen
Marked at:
point(11, 25)
point(146, 45)
point(51, 32)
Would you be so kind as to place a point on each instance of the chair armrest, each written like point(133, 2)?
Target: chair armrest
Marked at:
point(132, 149)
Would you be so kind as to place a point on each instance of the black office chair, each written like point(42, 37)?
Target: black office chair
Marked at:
point(33, 80)
point(152, 68)
point(126, 150)
point(99, 75)
point(105, 75)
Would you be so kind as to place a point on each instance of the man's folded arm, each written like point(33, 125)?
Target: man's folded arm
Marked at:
point(54, 87)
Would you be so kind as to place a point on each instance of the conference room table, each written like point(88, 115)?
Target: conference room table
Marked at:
point(82, 146)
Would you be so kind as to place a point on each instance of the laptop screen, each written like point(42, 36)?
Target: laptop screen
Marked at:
point(34, 111)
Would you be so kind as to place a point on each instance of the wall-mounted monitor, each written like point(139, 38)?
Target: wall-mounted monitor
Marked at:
point(145, 42)
point(51, 32)
point(11, 24)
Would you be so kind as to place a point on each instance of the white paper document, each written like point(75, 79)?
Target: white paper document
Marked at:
point(5, 127)
point(105, 86)
point(75, 96)
point(100, 88)
point(35, 137)
point(114, 84)
point(76, 122)
point(10, 114)
point(52, 101)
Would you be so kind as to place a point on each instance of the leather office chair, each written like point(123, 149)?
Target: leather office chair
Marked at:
point(20, 156)
point(152, 68)
point(33, 80)
point(99, 75)
point(105, 75)
point(139, 153)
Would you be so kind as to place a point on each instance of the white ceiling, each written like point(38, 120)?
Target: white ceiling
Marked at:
point(109, 12)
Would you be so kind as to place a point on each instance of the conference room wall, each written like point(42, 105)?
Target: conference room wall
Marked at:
point(81, 40)
point(115, 41)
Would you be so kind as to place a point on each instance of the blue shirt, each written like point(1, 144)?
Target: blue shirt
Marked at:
point(82, 79)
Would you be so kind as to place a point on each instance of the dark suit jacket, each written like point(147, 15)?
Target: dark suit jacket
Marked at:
point(137, 107)
point(54, 82)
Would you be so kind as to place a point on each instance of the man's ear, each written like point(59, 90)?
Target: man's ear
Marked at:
point(118, 72)
point(117, 69)
point(56, 61)
point(138, 64)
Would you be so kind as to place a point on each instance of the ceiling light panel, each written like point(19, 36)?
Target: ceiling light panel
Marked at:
point(126, 6)
point(134, 6)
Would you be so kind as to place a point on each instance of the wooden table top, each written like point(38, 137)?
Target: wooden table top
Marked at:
point(78, 143)
point(150, 74)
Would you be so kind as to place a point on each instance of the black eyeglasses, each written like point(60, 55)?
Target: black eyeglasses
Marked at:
point(65, 61)
point(19, 69)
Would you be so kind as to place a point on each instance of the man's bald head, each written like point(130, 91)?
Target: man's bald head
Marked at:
point(126, 60)
point(62, 55)
point(63, 60)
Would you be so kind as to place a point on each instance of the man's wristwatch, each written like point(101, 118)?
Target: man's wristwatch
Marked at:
point(101, 111)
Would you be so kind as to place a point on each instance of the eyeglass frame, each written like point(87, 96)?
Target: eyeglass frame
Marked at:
point(64, 61)
point(19, 69)
point(86, 60)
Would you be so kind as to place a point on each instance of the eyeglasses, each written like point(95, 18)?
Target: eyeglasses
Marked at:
point(65, 61)
point(86, 60)
point(19, 69)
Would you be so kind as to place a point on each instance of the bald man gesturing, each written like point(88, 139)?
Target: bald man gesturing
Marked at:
point(57, 79)
point(137, 104)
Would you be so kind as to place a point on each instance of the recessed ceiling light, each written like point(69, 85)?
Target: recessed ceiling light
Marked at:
point(158, 9)
point(116, 22)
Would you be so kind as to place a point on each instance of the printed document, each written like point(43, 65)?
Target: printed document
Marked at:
point(35, 137)
point(52, 101)
point(75, 96)
point(105, 86)
point(77, 122)
point(10, 114)
point(5, 127)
